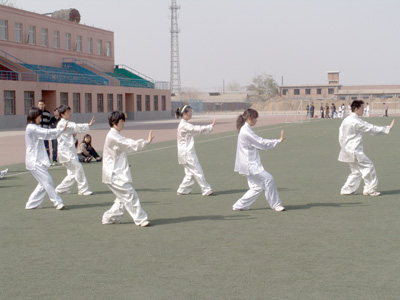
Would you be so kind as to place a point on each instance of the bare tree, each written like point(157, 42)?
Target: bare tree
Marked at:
point(263, 87)
point(233, 86)
point(10, 3)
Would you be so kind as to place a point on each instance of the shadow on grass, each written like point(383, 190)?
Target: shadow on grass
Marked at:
point(393, 192)
point(312, 205)
point(197, 218)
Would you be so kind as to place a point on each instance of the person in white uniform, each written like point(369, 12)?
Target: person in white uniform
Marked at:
point(352, 152)
point(116, 174)
point(248, 163)
point(68, 156)
point(187, 154)
point(37, 161)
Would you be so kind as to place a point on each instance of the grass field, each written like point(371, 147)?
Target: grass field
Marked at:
point(325, 246)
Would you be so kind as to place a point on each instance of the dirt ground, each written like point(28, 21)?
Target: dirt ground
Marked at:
point(12, 142)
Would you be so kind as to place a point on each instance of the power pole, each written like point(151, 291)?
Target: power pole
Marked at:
point(175, 65)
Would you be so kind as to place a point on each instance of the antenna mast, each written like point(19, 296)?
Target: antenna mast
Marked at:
point(175, 66)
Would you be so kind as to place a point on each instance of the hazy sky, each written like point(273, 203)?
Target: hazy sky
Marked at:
point(233, 40)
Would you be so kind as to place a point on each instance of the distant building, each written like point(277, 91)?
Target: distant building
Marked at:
point(334, 91)
point(64, 62)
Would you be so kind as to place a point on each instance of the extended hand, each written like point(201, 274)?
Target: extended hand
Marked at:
point(391, 124)
point(92, 121)
point(282, 136)
point(150, 137)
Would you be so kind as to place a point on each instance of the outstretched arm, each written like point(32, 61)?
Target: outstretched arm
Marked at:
point(150, 137)
point(391, 124)
point(214, 121)
point(282, 136)
point(92, 121)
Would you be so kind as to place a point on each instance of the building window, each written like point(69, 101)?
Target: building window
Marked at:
point(308, 91)
point(100, 103)
point(3, 30)
point(56, 39)
point(88, 103)
point(353, 98)
point(67, 41)
point(331, 91)
point(64, 98)
point(99, 47)
point(90, 45)
point(110, 102)
point(119, 102)
point(319, 91)
point(163, 103)
point(77, 102)
point(139, 102)
point(147, 102)
point(28, 101)
point(365, 97)
point(342, 98)
point(32, 35)
point(296, 91)
point(18, 32)
point(9, 102)
point(155, 103)
point(284, 92)
point(78, 43)
point(108, 49)
point(45, 37)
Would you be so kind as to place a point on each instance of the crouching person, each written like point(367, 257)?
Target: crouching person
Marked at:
point(116, 174)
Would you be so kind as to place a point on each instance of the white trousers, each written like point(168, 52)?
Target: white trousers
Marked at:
point(258, 183)
point(361, 170)
point(127, 199)
point(76, 173)
point(45, 185)
point(194, 172)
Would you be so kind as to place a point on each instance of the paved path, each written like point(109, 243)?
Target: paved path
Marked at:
point(12, 142)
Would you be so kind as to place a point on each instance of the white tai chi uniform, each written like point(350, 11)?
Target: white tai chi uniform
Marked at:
point(117, 176)
point(37, 162)
point(188, 158)
point(248, 163)
point(69, 158)
point(350, 140)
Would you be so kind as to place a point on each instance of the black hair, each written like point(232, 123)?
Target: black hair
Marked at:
point(33, 113)
point(41, 100)
point(115, 116)
point(356, 104)
point(84, 137)
point(63, 108)
point(182, 110)
point(248, 113)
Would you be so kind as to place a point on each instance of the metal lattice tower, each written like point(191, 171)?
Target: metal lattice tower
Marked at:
point(175, 65)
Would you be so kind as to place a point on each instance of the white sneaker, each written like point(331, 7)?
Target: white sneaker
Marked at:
point(210, 193)
point(87, 193)
point(347, 194)
point(145, 224)
point(37, 207)
point(279, 208)
point(63, 192)
point(3, 173)
point(241, 209)
point(60, 206)
point(374, 193)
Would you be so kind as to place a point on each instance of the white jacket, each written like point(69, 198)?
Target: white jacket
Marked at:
point(185, 138)
point(66, 141)
point(36, 154)
point(247, 156)
point(115, 160)
point(350, 137)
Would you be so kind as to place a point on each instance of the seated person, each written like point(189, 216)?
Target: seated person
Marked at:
point(86, 152)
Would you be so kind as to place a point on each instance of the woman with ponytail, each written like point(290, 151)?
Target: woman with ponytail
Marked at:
point(248, 163)
point(187, 154)
point(37, 161)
